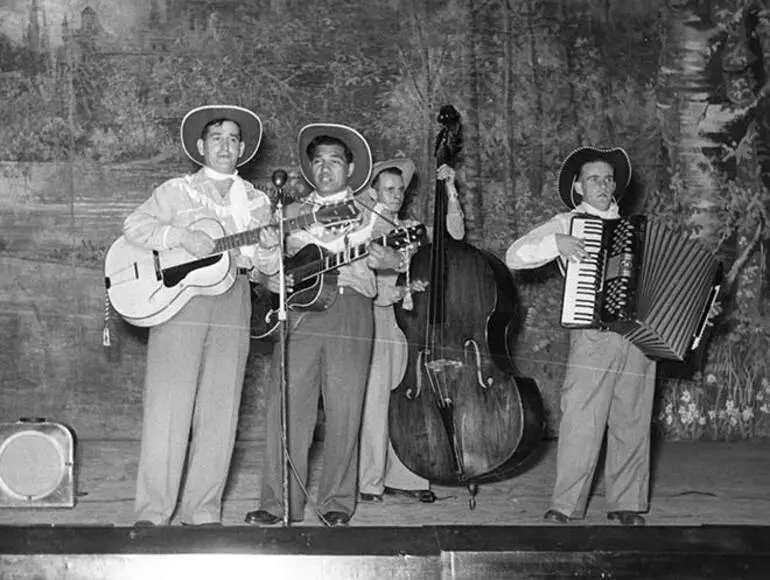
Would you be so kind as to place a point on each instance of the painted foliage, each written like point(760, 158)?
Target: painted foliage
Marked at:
point(93, 92)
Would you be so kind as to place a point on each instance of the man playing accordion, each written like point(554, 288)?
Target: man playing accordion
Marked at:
point(609, 383)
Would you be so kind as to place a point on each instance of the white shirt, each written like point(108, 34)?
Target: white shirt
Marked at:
point(538, 247)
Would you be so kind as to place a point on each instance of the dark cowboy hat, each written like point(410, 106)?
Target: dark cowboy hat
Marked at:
point(194, 122)
point(362, 155)
point(570, 169)
point(405, 166)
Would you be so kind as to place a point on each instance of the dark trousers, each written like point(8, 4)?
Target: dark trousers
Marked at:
point(327, 354)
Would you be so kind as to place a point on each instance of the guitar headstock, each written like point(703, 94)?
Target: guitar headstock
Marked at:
point(411, 236)
point(338, 215)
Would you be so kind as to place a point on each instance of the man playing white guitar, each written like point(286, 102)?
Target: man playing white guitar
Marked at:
point(196, 360)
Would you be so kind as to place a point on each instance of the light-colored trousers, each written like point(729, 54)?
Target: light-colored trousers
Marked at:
point(609, 384)
point(193, 382)
point(328, 353)
point(379, 466)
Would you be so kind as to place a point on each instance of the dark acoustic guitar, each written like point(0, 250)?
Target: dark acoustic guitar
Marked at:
point(315, 282)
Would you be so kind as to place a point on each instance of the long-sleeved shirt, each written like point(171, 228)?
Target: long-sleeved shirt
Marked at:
point(159, 222)
point(538, 247)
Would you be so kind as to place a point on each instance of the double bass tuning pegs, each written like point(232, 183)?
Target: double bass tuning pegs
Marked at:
point(448, 115)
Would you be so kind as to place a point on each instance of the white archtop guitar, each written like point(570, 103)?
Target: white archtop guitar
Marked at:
point(148, 287)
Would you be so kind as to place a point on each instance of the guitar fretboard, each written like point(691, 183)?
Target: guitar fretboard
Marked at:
point(393, 239)
point(250, 237)
point(334, 261)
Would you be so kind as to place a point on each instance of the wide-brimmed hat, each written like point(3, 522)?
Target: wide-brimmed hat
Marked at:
point(404, 165)
point(362, 154)
point(570, 170)
point(194, 122)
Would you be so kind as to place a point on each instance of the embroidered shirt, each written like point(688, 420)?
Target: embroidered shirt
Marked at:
point(159, 222)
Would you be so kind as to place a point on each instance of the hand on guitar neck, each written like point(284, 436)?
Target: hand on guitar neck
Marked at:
point(200, 244)
point(383, 258)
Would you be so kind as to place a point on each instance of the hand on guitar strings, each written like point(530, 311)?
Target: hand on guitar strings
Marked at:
point(273, 283)
point(197, 242)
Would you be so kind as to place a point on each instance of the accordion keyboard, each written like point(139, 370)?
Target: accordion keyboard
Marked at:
point(583, 279)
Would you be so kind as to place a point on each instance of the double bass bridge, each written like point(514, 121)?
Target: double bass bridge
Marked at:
point(433, 368)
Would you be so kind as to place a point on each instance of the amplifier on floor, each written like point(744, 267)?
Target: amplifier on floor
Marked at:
point(36, 464)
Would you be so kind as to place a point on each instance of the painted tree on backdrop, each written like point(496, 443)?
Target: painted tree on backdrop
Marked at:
point(716, 186)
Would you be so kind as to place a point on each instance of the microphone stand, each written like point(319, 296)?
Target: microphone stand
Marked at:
point(279, 179)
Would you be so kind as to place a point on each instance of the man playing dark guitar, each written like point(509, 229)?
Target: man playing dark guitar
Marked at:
point(197, 359)
point(328, 352)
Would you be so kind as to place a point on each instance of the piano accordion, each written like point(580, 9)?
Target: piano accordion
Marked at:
point(643, 281)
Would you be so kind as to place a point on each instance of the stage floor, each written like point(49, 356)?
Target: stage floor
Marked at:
point(703, 483)
point(710, 518)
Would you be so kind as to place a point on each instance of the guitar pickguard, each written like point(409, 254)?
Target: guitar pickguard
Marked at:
point(175, 274)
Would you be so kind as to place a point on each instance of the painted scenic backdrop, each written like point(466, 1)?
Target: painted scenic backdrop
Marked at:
point(92, 93)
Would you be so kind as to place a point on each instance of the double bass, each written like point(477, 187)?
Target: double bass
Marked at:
point(460, 415)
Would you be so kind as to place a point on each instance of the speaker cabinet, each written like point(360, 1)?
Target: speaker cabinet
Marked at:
point(36, 465)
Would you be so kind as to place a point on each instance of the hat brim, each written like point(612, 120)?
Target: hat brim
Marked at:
point(570, 169)
point(359, 147)
point(194, 122)
point(405, 166)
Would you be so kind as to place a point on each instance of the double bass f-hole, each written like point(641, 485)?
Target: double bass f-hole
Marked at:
point(480, 380)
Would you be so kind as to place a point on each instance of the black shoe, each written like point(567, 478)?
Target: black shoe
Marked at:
point(144, 524)
point(626, 518)
point(556, 517)
point(261, 518)
point(371, 497)
point(336, 519)
point(206, 525)
point(422, 495)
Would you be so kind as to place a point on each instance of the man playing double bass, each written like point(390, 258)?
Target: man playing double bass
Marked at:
point(380, 470)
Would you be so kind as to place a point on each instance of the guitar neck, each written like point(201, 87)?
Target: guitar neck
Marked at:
point(333, 261)
point(250, 237)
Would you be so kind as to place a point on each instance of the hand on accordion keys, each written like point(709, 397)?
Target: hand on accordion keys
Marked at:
point(570, 247)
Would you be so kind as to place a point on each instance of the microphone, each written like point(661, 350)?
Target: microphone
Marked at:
point(279, 178)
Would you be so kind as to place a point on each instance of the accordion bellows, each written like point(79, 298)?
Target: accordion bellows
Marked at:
point(642, 280)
